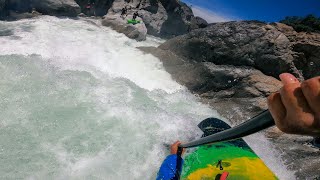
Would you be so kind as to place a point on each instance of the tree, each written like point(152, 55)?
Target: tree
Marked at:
point(310, 23)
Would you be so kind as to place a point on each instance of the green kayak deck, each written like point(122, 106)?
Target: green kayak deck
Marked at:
point(234, 157)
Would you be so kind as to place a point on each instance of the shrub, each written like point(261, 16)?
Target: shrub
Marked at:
point(310, 23)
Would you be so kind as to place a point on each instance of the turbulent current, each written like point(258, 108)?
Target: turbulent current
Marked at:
point(79, 101)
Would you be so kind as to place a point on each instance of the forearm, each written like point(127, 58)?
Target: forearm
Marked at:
point(169, 167)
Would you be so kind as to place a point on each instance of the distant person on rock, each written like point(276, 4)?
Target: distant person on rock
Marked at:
point(123, 12)
point(295, 109)
point(88, 8)
point(93, 9)
point(135, 15)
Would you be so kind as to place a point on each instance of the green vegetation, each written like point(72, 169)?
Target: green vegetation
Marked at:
point(310, 23)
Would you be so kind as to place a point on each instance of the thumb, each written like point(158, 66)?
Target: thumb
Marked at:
point(287, 78)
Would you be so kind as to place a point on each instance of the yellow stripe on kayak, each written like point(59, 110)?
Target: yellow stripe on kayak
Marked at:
point(238, 168)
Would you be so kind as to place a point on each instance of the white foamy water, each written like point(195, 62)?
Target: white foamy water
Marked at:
point(79, 101)
point(271, 157)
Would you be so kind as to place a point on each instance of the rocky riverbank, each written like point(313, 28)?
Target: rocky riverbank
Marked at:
point(18, 9)
point(163, 18)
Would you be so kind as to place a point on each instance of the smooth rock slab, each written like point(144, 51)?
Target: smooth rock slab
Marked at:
point(57, 7)
point(137, 31)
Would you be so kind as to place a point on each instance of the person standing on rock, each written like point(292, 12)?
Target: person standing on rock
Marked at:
point(93, 9)
point(124, 12)
point(295, 109)
point(135, 15)
point(88, 8)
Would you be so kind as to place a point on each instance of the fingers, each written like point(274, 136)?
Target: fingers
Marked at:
point(291, 94)
point(293, 98)
point(290, 108)
point(174, 148)
point(276, 108)
point(290, 84)
point(177, 143)
point(287, 78)
point(311, 91)
point(299, 117)
point(296, 107)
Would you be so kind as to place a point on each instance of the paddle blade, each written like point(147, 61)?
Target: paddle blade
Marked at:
point(256, 124)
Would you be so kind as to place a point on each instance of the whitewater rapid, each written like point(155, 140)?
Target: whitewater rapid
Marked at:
point(79, 101)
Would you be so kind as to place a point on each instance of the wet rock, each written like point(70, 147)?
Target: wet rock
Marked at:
point(273, 132)
point(248, 43)
point(26, 15)
point(100, 7)
point(316, 142)
point(48, 7)
point(307, 59)
point(163, 18)
point(20, 6)
point(198, 22)
point(224, 87)
point(306, 48)
point(149, 11)
point(235, 64)
point(82, 15)
point(154, 18)
point(2, 4)
point(137, 31)
point(179, 19)
point(3, 8)
point(57, 7)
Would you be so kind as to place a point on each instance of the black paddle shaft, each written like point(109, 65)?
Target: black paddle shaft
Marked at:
point(256, 124)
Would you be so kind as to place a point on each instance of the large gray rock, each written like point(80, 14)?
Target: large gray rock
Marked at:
point(101, 7)
point(231, 60)
point(3, 6)
point(20, 6)
point(154, 17)
point(306, 47)
point(247, 43)
point(13, 15)
point(225, 87)
point(164, 18)
point(137, 31)
point(179, 18)
point(198, 22)
point(57, 7)
point(48, 7)
point(2, 3)
point(308, 54)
